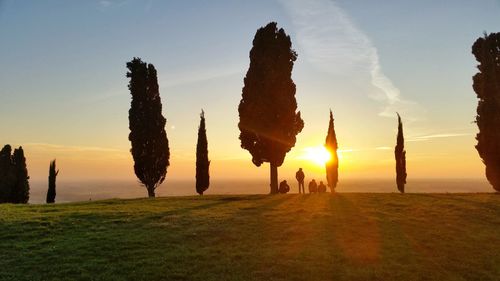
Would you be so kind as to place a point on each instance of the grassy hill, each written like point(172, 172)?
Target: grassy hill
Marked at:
point(282, 237)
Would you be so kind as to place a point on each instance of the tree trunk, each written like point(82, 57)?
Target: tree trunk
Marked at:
point(492, 174)
point(151, 191)
point(274, 178)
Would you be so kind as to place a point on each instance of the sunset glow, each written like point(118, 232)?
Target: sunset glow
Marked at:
point(318, 155)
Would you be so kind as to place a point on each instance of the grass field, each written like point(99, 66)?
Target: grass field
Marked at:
point(284, 237)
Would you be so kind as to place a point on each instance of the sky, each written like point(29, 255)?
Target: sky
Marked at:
point(64, 95)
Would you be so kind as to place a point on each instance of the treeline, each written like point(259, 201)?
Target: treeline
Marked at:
point(268, 124)
point(14, 179)
point(150, 147)
point(14, 184)
point(268, 121)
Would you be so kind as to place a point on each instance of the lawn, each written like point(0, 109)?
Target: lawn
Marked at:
point(348, 236)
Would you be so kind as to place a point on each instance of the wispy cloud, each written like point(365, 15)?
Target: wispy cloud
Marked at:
point(347, 150)
point(435, 136)
point(331, 41)
point(232, 158)
point(70, 148)
point(106, 4)
point(200, 75)
point(168, 80)
point(102, 97)
point(383, 148)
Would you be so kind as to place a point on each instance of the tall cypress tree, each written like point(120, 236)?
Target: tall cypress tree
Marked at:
point(486, 84)
point(51, 192)
point(400, 155)
point(7, 175)
point(269, 122)
point(14, 184)
point(332, 166)
point(22, 186)
point(202, 162)
point(147, 126)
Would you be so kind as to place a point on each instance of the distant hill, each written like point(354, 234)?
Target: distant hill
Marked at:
point(85, 190)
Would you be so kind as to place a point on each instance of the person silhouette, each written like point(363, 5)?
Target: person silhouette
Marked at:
point(313, 186)
point(321, 187)
point(284, 187)
point(300, 178)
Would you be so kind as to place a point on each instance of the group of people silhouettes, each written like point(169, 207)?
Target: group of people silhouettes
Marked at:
point(299, 175)
point(314, 187)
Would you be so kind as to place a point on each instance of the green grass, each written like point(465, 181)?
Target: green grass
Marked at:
point(282, 237)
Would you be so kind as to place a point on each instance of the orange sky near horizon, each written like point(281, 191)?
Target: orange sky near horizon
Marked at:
point(83, 163)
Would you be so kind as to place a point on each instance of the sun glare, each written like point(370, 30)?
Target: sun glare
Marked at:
point(317, 154)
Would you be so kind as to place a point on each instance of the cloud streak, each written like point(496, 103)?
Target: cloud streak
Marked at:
point(331, 41)
point(105, 4)
point(383, 148)
point(200, 75)
point(70, 148)
point(435, 136)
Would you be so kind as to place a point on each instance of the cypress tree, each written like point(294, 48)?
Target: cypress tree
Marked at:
point(14, 184)
point(22, 186)
point(269, 122)
point(51, 192)
point(202, 162)
point(332, 166)
point(486, 84)
point(7, 176)
point(400, 155)
point(147, 126)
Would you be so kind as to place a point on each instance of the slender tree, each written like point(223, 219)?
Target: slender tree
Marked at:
point(22, 186)
point(51, 192)
point(202, 162)
point(332, 166)
point(14, 184)
point(7, 175)
point(269, 122)
point(147, 126)
point(486, 84)
point(400, 155)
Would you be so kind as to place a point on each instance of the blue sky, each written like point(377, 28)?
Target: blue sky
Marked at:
point(64, 91)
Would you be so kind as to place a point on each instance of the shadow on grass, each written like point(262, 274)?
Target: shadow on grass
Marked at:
point(356, 232)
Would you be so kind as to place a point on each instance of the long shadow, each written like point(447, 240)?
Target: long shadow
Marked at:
point(368, 245)
point(112, 233)
point(261, 231)
point(493, 199)
point(81, 220)
point(192, 204)
point(355, 232)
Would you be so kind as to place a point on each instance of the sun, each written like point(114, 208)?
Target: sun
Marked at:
point(317, 154)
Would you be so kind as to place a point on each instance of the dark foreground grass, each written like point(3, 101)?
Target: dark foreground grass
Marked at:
point(282, 237)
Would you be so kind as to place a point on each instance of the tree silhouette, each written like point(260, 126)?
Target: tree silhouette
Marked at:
point(332, 166)
point(147, 126)
point(7, 175)
point(14, 184)
point(51, 192)
point(486, 84)
point(269, 122)
point(202, 162)
point(22, 184)
point(400, 155)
